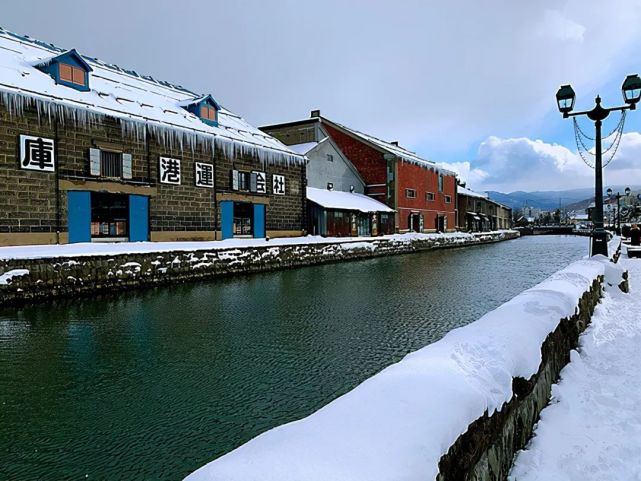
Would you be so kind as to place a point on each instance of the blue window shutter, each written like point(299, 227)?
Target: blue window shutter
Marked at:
point(138, 218)
point(79, 216)
point(259, 220)
point(227, 219)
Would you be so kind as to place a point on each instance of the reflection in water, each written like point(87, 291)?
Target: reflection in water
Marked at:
point(154, 384)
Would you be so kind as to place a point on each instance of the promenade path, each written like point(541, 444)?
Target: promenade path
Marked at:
point(592, 428)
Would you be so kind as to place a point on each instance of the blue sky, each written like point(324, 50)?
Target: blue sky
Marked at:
point(464, 82)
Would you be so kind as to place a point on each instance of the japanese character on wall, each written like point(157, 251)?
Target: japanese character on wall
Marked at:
point(204, 175)
point(37, 153)
point(278, 184)
point(169, 171)
point(259, 182)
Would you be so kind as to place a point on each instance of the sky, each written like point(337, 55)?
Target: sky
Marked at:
point(466, 83)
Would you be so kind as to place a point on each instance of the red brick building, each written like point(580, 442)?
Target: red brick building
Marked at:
point(422, 193)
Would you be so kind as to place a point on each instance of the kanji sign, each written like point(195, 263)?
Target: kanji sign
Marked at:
point(37, 153)
point(261, 182)
point(204, 175)
point(169, 171)
point(278, 184)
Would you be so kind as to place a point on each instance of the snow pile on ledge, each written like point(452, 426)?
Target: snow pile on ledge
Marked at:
point(398, 424)
point(115, 248)
point(7, 276)
point(591, 431)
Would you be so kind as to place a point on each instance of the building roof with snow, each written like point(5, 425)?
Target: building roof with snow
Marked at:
point(303, 148)
point(471, 193)
point(335, 199)
point(141, 103)
point(374, 142)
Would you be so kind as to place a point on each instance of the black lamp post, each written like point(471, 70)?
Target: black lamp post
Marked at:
point(618, 196)
point(565, 98)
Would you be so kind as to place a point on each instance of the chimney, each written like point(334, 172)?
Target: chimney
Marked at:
point(395, 142)
point(315, 113)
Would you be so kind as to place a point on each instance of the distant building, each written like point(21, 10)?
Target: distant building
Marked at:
point(477, 213)
point(94, 152)
point(422, 193)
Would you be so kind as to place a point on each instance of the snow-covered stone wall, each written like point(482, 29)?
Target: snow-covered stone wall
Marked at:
point(71, 270)
point(457, 409)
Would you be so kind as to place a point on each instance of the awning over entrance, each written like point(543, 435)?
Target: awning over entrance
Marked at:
point(474, 215)
point(335, 199)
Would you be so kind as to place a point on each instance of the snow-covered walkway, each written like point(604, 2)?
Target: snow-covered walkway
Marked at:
point(592, 429)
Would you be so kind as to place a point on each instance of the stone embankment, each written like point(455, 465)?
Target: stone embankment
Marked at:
point(25, 279)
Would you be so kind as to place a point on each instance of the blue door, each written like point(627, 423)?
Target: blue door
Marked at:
point(259, 220)
point(138, 218)
point(79, 216)
point(227, 219)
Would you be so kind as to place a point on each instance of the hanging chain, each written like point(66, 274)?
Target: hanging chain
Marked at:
point(614, 146)
point(616, 128)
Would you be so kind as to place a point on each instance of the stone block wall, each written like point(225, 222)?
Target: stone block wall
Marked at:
point(85, 275)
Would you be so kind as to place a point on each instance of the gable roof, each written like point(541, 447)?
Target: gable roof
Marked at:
point(388, 147)
point(141, 103)
point(374, 142)
point(61, 57)
point(198, 100)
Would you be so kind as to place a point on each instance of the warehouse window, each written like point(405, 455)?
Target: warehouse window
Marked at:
point(110, 164)
point(429, 196)
point(410, 193)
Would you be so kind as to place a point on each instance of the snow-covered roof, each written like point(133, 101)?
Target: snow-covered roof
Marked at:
point(470, 193)
point(141, 103)
point(303, 148)
point(580, 216)
point(394, 149)
point(336, 199)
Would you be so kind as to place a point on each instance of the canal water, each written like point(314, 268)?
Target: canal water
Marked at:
point(153, 384)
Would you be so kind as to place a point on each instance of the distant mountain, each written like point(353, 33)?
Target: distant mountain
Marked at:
point(550, 200)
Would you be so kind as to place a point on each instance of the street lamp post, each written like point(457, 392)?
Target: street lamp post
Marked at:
point(618, 196)
point(565, 98)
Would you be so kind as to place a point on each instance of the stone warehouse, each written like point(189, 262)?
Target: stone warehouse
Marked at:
point(93, 152)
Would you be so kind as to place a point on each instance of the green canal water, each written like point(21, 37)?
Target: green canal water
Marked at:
point(151, 385)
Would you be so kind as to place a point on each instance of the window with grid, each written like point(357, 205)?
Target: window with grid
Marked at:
point(72, 74)
point(110, 164)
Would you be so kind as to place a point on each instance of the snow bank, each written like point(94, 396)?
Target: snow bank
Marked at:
point(115, 248)
point(398, 424)
point(591, 431)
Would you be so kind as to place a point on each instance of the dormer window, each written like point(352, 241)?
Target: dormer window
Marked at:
point(68, 69)
point(205, 108)
point(75, 75)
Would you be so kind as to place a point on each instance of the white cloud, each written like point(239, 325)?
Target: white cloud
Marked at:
point(526, 164)
point(557, 25)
